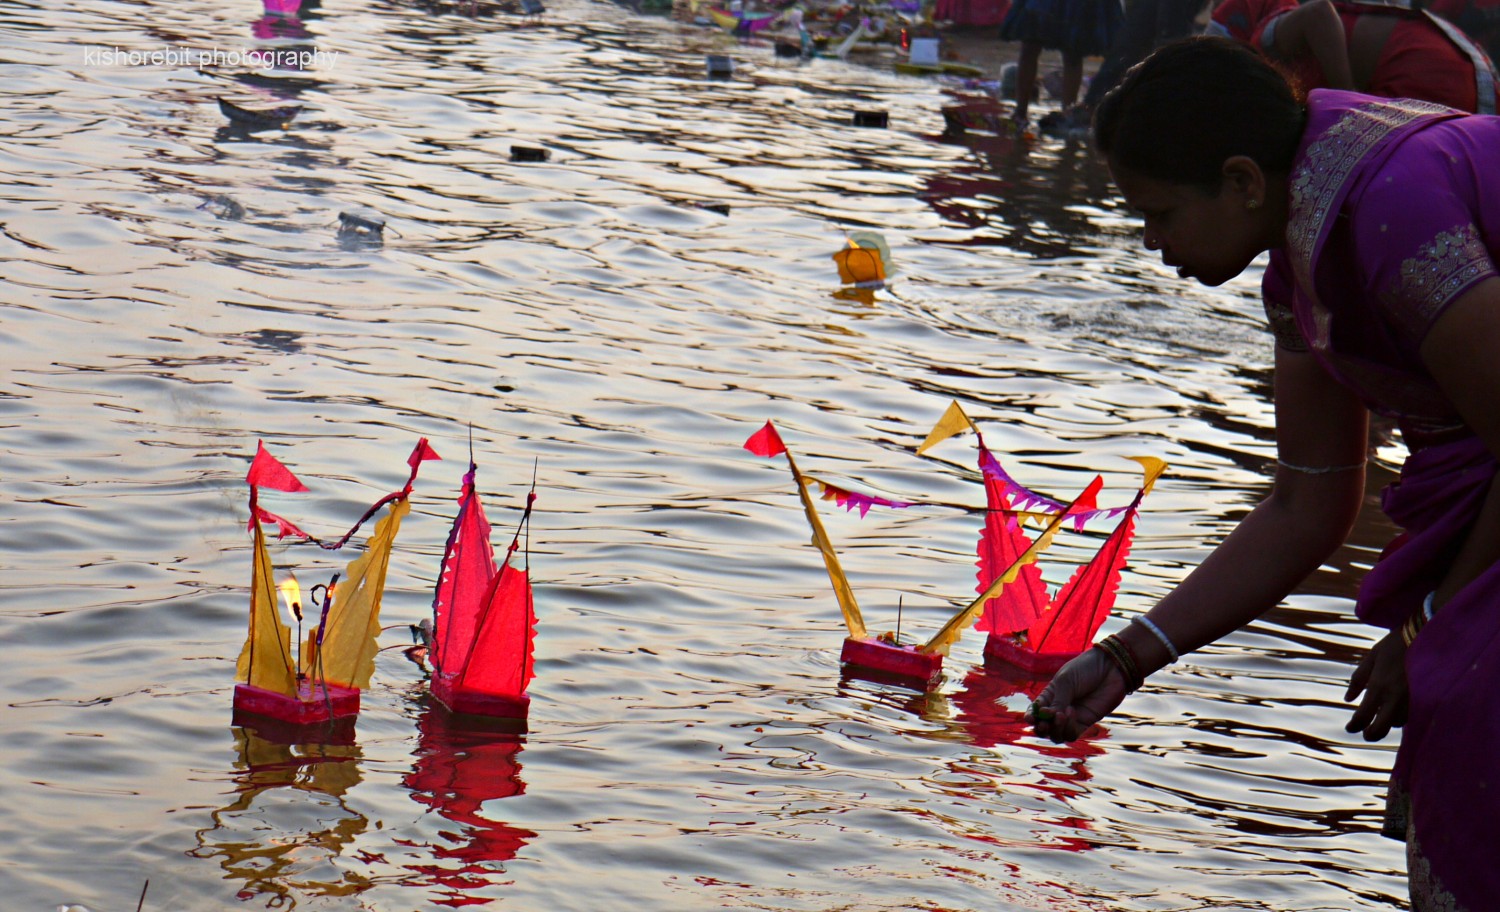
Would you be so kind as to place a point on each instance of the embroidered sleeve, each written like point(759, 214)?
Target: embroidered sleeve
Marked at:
point(1439, 272)
point(1418, 251)
point(1277, 290)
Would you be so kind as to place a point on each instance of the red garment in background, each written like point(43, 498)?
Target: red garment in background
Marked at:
point(1418, 60)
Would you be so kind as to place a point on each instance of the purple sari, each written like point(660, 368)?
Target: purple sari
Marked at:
point(1395, 214)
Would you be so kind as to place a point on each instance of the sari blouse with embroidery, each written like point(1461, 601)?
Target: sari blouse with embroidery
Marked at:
point(1395, 212)
point(1394, 215)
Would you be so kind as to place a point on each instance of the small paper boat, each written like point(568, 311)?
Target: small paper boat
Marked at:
point(1030, 631)
point(884, 654)
point(484, 619)
point(296, 682)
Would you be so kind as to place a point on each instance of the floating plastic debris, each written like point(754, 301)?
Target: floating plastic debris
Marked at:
point(224, 207)
point(360, 226)
point(719, 66)
point(259, 118)
point(866, 262)
point(924, 51)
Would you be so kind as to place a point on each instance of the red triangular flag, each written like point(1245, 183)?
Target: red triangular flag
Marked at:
point(765, 442)
point(422, 453)
point(266, 471)
point(1088, 501)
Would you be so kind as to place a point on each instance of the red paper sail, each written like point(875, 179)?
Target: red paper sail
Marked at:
point(1027, 628)
point(484, 620)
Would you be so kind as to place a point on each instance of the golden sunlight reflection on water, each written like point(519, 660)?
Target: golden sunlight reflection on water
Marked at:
point(622, 315)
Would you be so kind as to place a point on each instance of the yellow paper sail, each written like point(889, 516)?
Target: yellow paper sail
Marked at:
point(954, 421)
point(266, 659)
point(944, 639)
point(347, 656)
point(841, 588)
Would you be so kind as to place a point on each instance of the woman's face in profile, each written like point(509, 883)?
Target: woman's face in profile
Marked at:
point(1204, 236)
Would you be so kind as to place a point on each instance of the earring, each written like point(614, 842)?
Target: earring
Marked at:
point(1252, 204)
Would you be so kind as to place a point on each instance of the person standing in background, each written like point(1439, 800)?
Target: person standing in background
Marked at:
point(1076, 28)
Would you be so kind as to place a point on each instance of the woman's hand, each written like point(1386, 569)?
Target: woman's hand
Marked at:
point(1381, 676)
point(1084, 691)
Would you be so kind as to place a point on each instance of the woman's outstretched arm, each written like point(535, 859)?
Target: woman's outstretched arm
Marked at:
point(1322, 439)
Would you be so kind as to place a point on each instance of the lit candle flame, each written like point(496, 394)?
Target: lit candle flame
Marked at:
point(292, 593)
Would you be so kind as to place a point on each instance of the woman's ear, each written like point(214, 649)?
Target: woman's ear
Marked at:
point(1243, 176)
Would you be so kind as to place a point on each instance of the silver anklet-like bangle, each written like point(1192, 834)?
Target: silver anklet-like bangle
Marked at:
point(1319, 470)
point(1158, 633)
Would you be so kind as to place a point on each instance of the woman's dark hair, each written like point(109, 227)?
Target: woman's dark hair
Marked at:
point(1180, 113)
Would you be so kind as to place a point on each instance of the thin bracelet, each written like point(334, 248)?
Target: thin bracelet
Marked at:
point(1158, 632)
point(1120, 656)
point(1319, 470)
point(1411, 628)
point(1427, 609)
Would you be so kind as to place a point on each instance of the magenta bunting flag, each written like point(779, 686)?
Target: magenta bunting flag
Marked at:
point(1023, 498)
point(854, 500)
point(284, 527)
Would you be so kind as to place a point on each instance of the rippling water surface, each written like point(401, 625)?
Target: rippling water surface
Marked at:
point(174, 290)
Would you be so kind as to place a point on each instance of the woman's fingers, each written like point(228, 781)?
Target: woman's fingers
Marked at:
point(1360, 678)
point(1078, 697)
point(1381, 677)
point(1391, 713)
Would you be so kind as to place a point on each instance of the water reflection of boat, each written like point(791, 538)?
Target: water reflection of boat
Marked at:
point(984, 714)
point(261, 838)
point(464, 762)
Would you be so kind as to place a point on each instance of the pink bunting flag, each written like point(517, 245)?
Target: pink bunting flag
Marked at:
point(766, 442)
point(1026, 499)
point(266, 471)
point(853, 500)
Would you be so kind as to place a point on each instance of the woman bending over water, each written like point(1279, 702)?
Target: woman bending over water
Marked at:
point(1382, 218)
